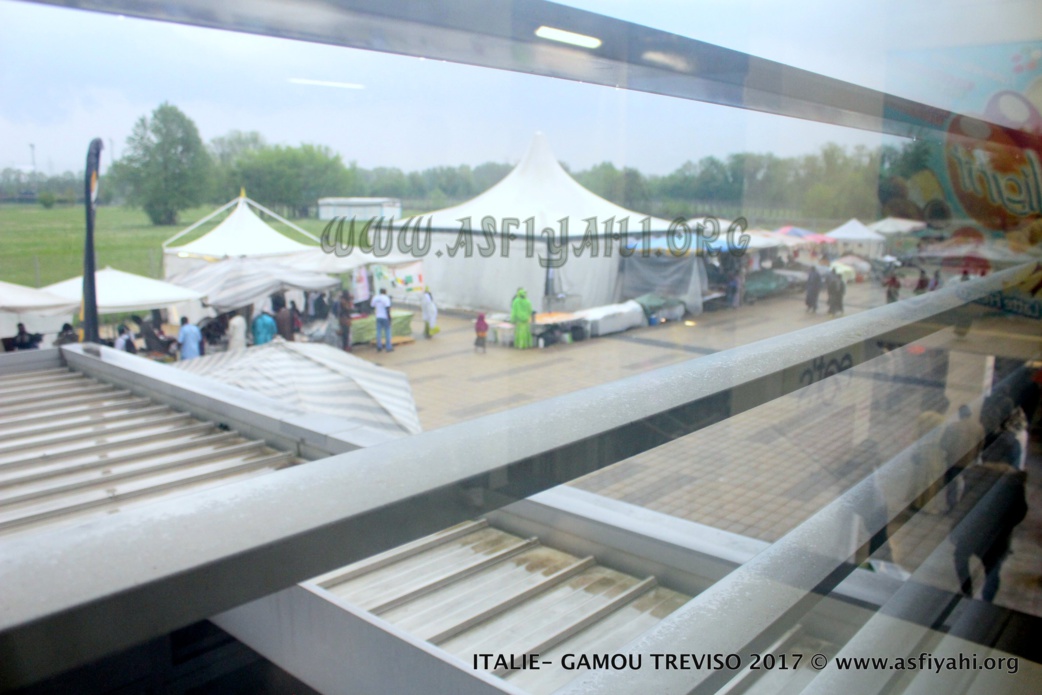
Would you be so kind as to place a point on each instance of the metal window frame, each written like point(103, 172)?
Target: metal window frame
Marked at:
point(77, 594)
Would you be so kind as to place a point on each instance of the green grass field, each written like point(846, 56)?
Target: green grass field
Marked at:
point(39, 247)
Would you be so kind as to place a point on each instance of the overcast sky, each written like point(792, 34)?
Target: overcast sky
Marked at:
point(67, 76)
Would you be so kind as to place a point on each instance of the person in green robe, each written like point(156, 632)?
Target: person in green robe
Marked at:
point(521, 317)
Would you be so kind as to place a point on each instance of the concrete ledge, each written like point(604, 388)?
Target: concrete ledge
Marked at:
point(253, 415)
point(30, 361)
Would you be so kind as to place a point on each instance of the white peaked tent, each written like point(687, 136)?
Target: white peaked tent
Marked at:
point(854, 235)
point(118, 291)
point(540, 190)
point(321, 380)
point(853, 230)
point(241, 233)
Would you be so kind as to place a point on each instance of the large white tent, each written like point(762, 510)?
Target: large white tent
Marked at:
point(537, 195)
point(236, 282)
point(241, 233)
point(321, 380)
point(118, 291)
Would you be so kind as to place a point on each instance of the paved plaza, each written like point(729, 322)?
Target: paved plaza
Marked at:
point(760, 473)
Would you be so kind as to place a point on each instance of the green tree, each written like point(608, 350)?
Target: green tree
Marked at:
point(166, 168)
point(294, 178)
point(227, 151)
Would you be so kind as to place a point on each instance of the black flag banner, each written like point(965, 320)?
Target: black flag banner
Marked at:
point(90, 297)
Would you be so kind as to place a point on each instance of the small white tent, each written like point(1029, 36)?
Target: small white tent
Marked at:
point(118, 291)
point(473, 263)
point(241, 233)
point(855, 236)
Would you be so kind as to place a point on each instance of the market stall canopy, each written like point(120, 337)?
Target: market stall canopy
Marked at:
point(854, 231)
point(241, 233)
point(236, 282)
point(539, 188)
point(322, 380)
point(805, 235)
point(896, 225)
point(18, 299)
point(118, 291)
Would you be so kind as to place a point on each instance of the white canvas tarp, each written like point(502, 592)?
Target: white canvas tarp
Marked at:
point(322, 380)
point(236, 282)
point(118, 291)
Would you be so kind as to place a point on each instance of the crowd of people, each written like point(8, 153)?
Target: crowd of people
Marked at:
point(835, 290)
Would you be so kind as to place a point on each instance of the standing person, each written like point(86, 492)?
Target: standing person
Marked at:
point(125, 340)
point(344, 307)
point(298, 320)
point(875, 516)
point(835, 288)
point(893, 288)
point(813, 289)
point(430, 313)
point(284, 323)
point(382, 308)
point(190, 340)
point(935, 281)
point(480, 333)
point(993, 506)
point(962, 441)
point(67, 336)
point(521, 316)
point(842, 290)
point(237, 332)
point(923, 284)
point(264, 328)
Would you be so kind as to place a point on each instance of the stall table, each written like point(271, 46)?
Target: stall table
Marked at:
point(363, 330)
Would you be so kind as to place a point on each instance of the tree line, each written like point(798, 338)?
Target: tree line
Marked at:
point(167, 168)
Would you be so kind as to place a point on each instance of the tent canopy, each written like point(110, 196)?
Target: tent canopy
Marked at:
point(241, 233)
point(19, 299)
point(118, 291)
point(540, 188)
point(804, 235)
point(854, 231)
point(236, 282)
point(322, 380)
